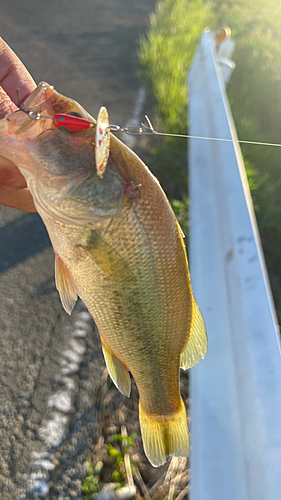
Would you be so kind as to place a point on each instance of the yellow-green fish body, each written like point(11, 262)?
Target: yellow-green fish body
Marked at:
point(119, 247)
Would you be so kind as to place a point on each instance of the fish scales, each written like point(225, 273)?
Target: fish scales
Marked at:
point(133, 313)
point(119, 247)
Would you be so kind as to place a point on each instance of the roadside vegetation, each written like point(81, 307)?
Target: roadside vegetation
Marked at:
point(254, 93)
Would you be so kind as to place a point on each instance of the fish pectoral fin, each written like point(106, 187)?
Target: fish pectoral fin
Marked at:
point(108, 259)
point(164, 436)
point(65, 285)
point(196, 347)
point(120, 376)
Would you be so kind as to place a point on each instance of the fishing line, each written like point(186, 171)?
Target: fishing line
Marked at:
point(218, 139)
point(149, 130)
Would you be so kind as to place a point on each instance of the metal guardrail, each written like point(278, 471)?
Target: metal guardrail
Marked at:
point(236, 390)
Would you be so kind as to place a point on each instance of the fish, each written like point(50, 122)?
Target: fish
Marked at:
point(119, 247)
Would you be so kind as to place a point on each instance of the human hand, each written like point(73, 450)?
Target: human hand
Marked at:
point(13, 75)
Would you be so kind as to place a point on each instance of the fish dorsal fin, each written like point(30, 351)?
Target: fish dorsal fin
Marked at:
point(196, 347)
point(180, 229)
point(108, 259)
point(120, 376)
point(65, 285)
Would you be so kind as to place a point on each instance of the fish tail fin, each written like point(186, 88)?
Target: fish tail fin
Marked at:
point(164, 435)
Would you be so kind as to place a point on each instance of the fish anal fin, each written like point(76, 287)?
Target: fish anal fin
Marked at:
point(65, 285)
point(118, 373)
point(108, 259)
point(164, 436)
point(196, 347)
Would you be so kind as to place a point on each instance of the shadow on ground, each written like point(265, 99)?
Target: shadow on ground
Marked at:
point(26, 235)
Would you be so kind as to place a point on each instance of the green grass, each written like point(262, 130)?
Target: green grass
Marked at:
point(92, 485)
point(93, 482)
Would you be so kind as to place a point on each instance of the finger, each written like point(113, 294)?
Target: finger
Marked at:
point(22, 200)
point(6, 104)
point(10, 177)
point(13, 74)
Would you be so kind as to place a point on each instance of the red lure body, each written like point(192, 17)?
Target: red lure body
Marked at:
point(73, 123)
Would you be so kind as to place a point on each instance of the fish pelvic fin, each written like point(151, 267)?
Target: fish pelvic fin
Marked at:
point(196, 347)
point(164, 436)
point(118, 373)
point(65, 285)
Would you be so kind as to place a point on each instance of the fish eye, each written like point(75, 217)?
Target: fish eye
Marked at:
point(75, 113)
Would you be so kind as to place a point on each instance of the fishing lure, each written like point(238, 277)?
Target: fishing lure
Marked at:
point(75, 123)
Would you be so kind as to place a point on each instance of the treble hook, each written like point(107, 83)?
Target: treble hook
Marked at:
point(31, 114)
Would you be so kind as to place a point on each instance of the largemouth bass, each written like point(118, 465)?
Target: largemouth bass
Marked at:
point(119, 247)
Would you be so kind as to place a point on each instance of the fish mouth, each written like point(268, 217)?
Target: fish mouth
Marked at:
point(26, 120)
point(44, 101)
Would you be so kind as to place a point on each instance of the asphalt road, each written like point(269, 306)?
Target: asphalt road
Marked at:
point(50, 363)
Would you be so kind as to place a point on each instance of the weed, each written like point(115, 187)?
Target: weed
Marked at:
point(125, 443)
point(92, 486)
